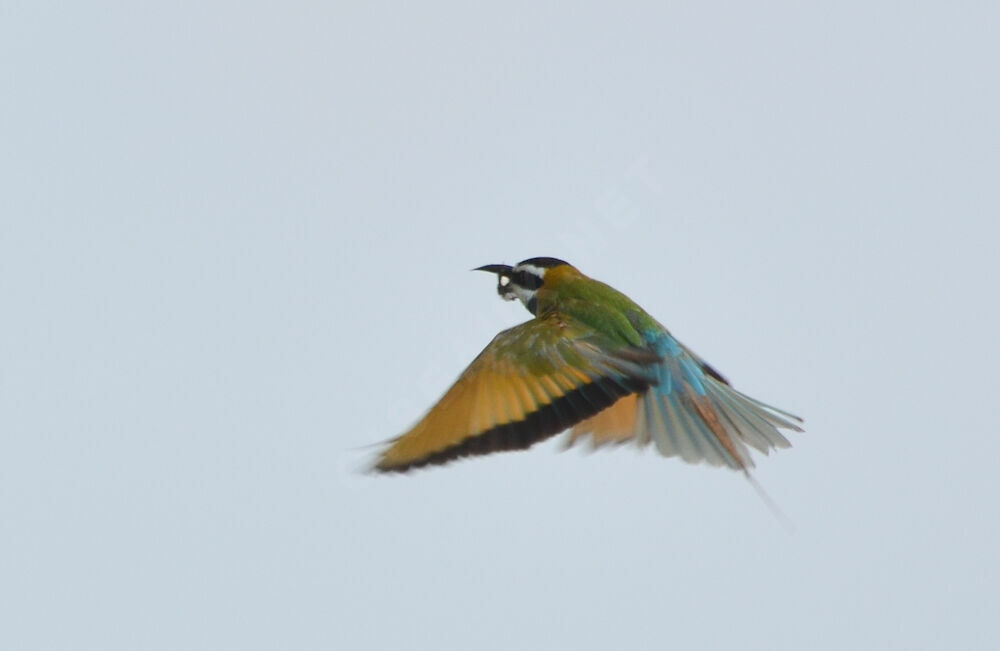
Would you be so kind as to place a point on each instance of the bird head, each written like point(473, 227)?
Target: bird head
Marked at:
point(523, 279)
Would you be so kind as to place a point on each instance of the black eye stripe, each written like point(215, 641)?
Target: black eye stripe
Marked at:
point(526, 279)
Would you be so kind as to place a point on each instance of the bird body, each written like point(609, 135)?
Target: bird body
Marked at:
point(592, 361)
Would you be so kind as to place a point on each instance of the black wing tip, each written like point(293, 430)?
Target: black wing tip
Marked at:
point(559, 415)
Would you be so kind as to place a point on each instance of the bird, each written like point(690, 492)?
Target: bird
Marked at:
point(593, 362)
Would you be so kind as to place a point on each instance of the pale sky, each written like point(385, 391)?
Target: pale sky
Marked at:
point(235, 242)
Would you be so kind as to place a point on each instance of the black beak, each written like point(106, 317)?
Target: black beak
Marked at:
point(503, 273)
point(496, 269)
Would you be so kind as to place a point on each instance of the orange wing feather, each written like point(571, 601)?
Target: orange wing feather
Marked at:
point(616, 424)
point(531, 382)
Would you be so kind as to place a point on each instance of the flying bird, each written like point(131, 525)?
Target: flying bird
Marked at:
point(592, 361)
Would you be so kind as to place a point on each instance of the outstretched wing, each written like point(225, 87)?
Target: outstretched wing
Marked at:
point(533, 380)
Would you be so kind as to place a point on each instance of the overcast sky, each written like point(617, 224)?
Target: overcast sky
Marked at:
point(235, 242)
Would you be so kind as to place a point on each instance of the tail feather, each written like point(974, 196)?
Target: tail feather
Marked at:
point(752, 436)
point(685, 436)
point(670, 438)
point(748, 423)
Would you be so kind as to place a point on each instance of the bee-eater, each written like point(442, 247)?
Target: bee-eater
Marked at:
point(592, 361)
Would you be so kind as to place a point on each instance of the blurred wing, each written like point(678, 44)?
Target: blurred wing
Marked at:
point(533, 380)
